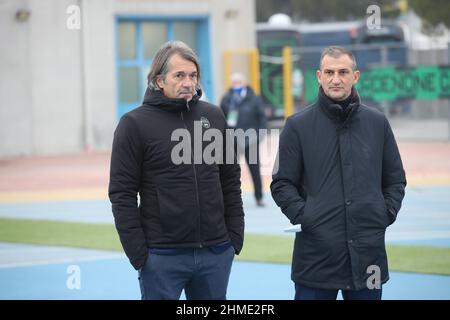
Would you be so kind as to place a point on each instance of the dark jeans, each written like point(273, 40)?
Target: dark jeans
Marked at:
point(307, 293)
point(202, 273)
point(254, 170)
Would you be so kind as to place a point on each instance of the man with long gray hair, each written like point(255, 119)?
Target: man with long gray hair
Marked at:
point(189, 223)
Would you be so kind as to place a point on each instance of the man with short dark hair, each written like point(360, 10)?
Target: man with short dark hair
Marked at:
point(189, 223)
point(341, 179)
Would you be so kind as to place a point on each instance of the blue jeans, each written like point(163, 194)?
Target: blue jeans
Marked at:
point(201, 272)
point(306, 293)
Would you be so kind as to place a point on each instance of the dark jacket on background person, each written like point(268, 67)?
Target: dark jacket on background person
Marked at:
point(341, 177)
point(250, 110)
point(181, 205)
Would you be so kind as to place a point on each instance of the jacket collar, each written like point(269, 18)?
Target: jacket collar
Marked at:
point(334, 110)
point(249, 92)
point(156, 98)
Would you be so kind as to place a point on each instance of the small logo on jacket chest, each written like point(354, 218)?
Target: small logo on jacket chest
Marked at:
point(205, 122)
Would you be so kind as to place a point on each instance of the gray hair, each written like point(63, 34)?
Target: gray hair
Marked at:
point(160, 64)
point(237, 76)
point(336, 52)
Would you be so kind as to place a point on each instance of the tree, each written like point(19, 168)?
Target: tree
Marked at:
point(324, 10)
point(266, 8)
point(432, 12)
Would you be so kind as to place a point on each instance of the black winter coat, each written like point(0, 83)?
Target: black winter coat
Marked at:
point(181, 205)
point(251, 113)
point(341, 177)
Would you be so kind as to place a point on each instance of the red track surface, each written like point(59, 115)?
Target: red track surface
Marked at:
point(90, 170)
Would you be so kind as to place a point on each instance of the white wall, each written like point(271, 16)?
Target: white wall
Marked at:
point(39, 80)
point(233, 28)
point(55, 79)
point(99, 72)
point(16, 127)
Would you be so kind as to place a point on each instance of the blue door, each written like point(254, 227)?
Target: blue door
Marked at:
point(138, 39)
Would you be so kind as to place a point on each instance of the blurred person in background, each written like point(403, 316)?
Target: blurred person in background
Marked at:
point(244, 110)
point(341, 179)
point(189, 222)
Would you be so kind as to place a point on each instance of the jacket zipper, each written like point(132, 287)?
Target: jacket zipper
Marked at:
point(339, 132)
point(195, 182)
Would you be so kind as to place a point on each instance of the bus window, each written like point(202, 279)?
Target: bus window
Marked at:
point(388, 33)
